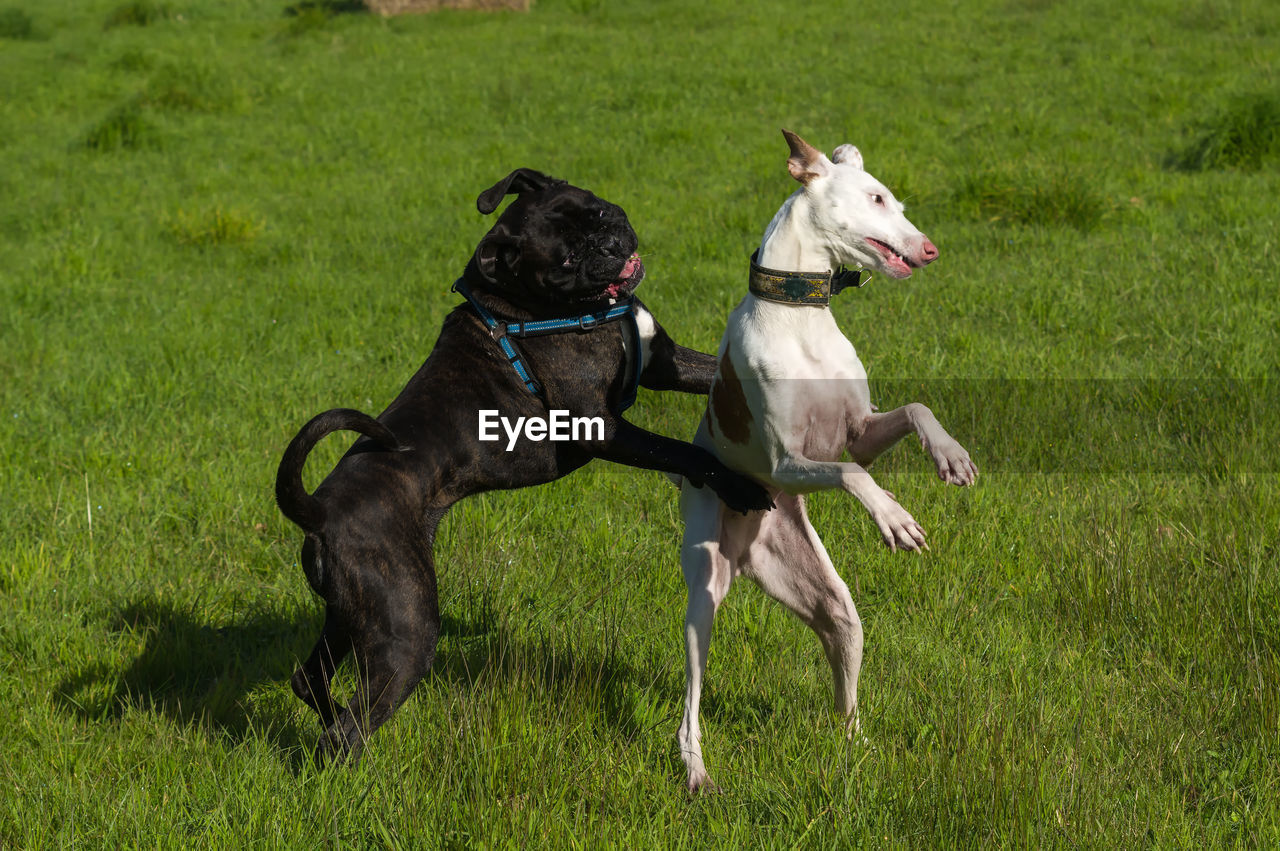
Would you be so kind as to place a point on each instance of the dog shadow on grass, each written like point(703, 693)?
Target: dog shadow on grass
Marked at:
point(231, 676)
point(634, 695)
point(195, 671)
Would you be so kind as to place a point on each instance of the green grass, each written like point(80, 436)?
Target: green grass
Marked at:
point(16, 24)
point(1047, 201)
point(217, 227)
point(126, 126)
point(1244, 133)
point(137, 13)
point(219, 219)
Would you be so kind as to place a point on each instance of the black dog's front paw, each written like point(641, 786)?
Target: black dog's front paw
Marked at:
point(741, 493)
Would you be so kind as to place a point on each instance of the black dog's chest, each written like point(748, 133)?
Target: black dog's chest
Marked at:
point(587, 372)
point(607, 328)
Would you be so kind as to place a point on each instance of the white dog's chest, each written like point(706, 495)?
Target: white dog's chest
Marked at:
point(802, 382)
point(824, 427)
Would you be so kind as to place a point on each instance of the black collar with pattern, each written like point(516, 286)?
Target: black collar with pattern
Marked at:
point(802, 287)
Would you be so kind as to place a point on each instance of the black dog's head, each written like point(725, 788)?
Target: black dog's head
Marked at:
point(556, 244)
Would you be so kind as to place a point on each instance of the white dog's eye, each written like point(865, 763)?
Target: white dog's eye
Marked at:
point(878, 199)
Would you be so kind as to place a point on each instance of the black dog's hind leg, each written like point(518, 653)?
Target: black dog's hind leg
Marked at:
point(394, 652)
point(311, 681)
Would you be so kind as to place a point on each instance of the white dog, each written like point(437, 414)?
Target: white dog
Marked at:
point(789, 397)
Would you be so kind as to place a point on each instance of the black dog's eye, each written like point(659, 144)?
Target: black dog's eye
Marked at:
point(568, 261)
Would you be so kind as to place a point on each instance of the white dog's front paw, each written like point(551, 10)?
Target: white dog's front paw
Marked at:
point(955, 467)
point(898, 529)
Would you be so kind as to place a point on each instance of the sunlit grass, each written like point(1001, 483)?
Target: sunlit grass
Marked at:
point(217, 219)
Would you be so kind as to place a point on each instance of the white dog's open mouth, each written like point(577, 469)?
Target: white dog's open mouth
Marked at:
point(895, 264)
point(628, 279)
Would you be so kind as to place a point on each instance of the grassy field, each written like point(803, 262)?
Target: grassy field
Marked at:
point(217, 219)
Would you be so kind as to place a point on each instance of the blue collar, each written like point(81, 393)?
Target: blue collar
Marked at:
point(502, 332)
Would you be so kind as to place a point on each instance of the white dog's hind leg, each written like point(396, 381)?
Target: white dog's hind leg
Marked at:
point(707, 573)
point(789, 563)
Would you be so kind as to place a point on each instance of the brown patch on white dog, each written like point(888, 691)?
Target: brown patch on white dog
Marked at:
point(729, 403)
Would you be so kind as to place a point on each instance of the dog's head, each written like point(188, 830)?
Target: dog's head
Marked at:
point(856, 214)
point(556, 244)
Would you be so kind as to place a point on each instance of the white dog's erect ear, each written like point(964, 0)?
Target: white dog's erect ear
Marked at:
point(806, 162)
point(847, 154)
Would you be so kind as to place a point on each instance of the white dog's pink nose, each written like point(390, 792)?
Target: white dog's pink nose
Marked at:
point(928, 252)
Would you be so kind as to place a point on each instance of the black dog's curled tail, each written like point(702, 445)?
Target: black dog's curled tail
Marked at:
point(291, 495)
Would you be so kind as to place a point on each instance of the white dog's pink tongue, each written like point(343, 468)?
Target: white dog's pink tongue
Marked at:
point(896, 265)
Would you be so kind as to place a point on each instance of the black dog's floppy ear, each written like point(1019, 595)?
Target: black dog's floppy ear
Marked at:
point(517, 182)
point(498, 246)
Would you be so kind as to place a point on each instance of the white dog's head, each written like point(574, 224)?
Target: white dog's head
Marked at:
point(858, 219)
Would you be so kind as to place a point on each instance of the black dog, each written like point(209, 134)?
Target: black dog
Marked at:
point(370, 526)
